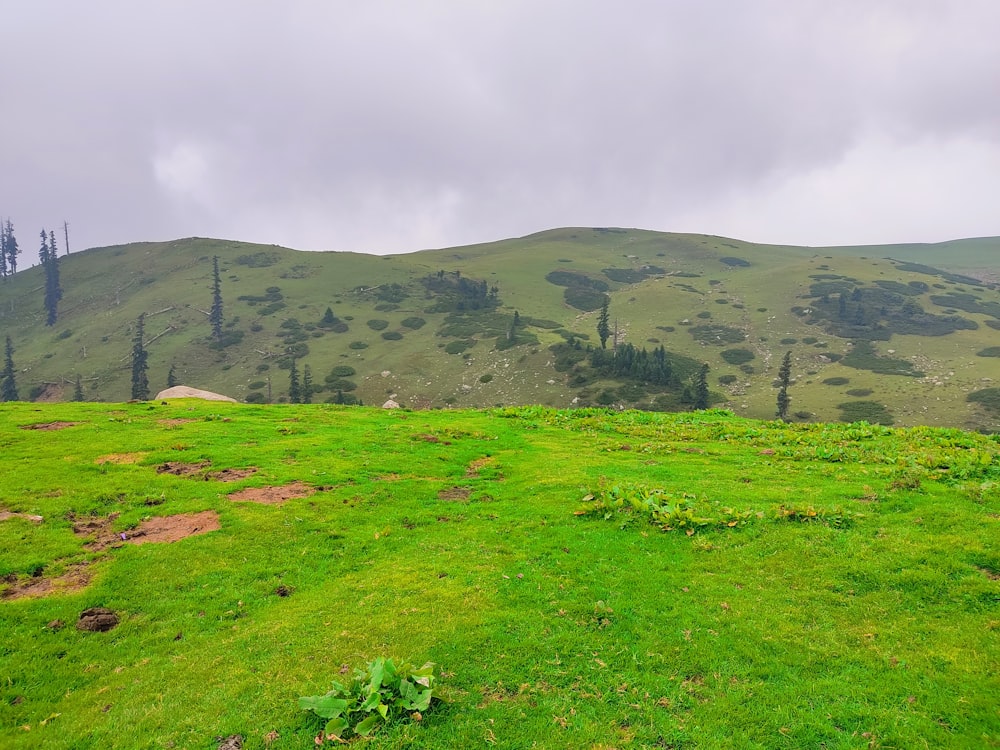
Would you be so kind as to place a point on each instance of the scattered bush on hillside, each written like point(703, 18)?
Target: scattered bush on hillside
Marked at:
point(989, 398)
point(357, 345)
point(256, 397)
point(717, 335)
point(378, 325)
point(871, 412)
point(459, 346)
point(836, 381)
point(386, 307)
point(992, 351)
point(735, 262)
point(228, 338)
point(485, 378)
point(256, 385)
point(392, 335)
point(413, 323)
point(258, 260)
point(737, 356)
point(789, 341)
point(704, 315)
point(859, 392)
point(863, 357)
point(339, 384)
point(727, 379)
point(586, 300)
point(633, 275)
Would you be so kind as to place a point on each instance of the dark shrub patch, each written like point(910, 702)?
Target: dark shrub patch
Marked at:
point(457, 347)
point(571, 279)
point(256, 398)
point(485, 378)
point(789, 341)
point(987, 397)
point(734, 262)
point(342, 371)
point(258, 260)
point(737, 356)
point(865, 411)
point(727, 379)
point(863, 357)
point(357, 345)
point(717, 335)
point(584, 299)
point(836, 381)
point(413, 323)
point(378, 325)
point(704, 315)
point(392, 335)
point(340, 384)
point(859, 392)
point(992, 351)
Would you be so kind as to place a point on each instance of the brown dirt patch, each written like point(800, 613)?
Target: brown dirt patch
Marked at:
point(272, 495)
point(455, 494)
point(120, 458)
point(5, 514)
point(991, 574)
point(175, 422)
point(74, 579)
point(180, 469)
point(160, 529)
point(231, 475)
point(49, 425)
point(475, 466)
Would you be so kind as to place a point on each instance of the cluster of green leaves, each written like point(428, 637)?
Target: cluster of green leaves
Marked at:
point(670, 512)
point(380, 694)
point(837, 517)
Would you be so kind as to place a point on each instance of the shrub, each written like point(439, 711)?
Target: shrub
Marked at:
point(584, 299)
point(988, 397)
point(342, 371)
point(381, 694)
point(256, 385)
point(865, 411)
point(837, 381)
point(860, 392)
point(392, 335)
point(992, 351)
point(704, 315)
point(357, 345)
point(717, 334)
point(414, 323)
point(256, 398)
point(789, 341)
point(378, 325)
point(459, 346)
point(727, 379)
point(735, 262)
point(737, 356)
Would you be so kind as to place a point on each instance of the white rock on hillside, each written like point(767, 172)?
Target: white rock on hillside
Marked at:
point(183, 391)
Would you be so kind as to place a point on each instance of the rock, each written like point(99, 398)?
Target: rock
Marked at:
point(183, 391)
point(97, 620)
point(390, 404)
point(232, 742)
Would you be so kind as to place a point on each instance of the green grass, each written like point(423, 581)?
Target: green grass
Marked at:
point(452, 537)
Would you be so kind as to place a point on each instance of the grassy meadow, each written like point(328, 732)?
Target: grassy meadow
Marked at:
point(582, 579)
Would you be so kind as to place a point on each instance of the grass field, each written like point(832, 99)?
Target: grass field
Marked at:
point(821, 585)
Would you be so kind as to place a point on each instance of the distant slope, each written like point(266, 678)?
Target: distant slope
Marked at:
point(876, 332)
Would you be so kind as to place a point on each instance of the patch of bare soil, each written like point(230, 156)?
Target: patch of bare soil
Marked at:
point(74, 579)
point(175, 422)
point(231, 475)
point(180, 469)
point(120, 458)
point(455, 494)
point(272, 495)
point(49, 425)
point(473, 469)
point(5, 514)
point(161, 529)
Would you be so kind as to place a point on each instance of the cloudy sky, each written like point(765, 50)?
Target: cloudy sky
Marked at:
point(381, 126)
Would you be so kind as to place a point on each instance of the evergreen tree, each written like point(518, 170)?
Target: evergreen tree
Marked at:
point(171, 377)
point(3, 250)
point(140, 363)
point(307, 384)
point(784, 378)
point(701, 388)
point(78, 390)
point(8, 388)
point(294, 388)
point(328, 318)
point(48, 255)
point(604, 324)
point(10, 248)
point(215, 314)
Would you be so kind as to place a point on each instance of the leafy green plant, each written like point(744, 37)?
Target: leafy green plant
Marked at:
point(670, 512)
point(380, 694)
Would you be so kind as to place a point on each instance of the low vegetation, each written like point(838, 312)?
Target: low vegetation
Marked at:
point(180, 574)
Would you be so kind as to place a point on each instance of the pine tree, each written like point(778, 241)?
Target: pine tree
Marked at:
point(328, 318)
point(294, 388)
point(307, 384)
point(171, 377)
point(10, 248)
point(140, 363)
point(784, 378)
point(215, 314)
point(8, 388)
point(701, 388)
point(49, 257)
point(3, 250)
point(78, 390)
point(604, 324)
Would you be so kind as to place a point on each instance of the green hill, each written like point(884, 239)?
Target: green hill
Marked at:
point(898, 333)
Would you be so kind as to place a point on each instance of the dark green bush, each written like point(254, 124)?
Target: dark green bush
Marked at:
point(737, 356)
point(378, 325)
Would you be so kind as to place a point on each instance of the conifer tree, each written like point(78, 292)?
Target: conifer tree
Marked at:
point(294, 388)
point(171, 377)
point(307, 384)
point(49, 257)
point(140, 363)
point(8, 388)
point(784, 378)
point(215, 314)
point(3, 250)
point(604, 324)
point(701, 388)
point(10, 248)
point(78, 390)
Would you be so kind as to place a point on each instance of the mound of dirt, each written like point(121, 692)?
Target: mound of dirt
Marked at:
point(49, 426)
point(74, 579)
point(180, 469)
point(160, 529)
point(183, 391)
point(97, 620)
point(273, 495)
point(231, 475)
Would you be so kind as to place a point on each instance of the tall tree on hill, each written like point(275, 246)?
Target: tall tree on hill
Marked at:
point(307, 384)
point(294, 387)
point(604, 323)
point(49, 256)
point(171, 376)
point(10, 248)
point(215, 314)
point(78, 389)
point(140, 361)
point(3, 250)
point(701, 388)
point(784, 378)
point(8, 388)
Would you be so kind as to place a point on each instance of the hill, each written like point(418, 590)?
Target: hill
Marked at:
point(880, 333)
point(582, 578)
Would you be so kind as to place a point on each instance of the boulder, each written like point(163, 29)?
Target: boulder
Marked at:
point(183, 391)
point(390, 404)
point(97, 620)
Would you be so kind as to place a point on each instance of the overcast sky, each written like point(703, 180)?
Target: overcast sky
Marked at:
point(396, 126)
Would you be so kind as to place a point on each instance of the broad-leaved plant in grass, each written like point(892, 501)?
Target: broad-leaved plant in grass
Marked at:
point(383, 692)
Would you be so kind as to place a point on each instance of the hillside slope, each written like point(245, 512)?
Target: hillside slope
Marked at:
point(875, 332)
